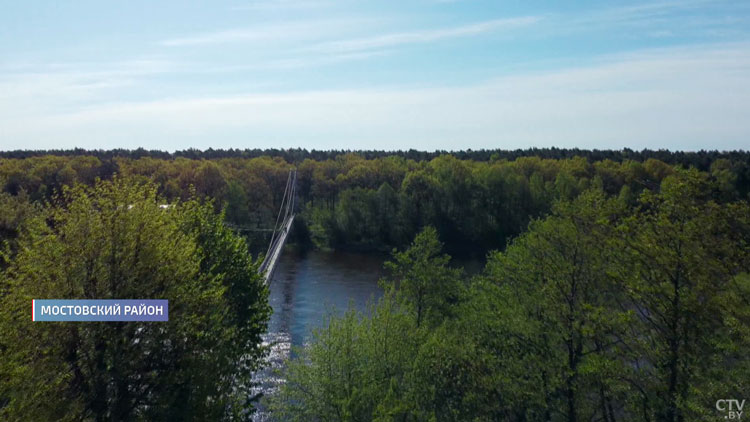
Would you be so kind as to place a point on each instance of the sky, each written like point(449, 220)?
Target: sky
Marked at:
point(387, 75)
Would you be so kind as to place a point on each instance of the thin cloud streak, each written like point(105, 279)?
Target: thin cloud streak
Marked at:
point(277, 5)
point(270, 32)
point(663, 16)
point(424, 36)
point(301, 62)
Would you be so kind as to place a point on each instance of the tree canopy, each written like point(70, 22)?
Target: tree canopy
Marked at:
point(603, 310)
point(114, 241)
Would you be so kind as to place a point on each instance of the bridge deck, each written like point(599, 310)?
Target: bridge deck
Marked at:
point(269, 263)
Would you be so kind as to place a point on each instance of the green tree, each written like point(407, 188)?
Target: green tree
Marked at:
point(682, 256)
point(554, 277)
point(237, 207)
point(388, 214)
point(354, 369)
point(14, 211)
point(423, 280)
point(115, 241)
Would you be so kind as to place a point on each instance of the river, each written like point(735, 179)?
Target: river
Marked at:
point(304, 289)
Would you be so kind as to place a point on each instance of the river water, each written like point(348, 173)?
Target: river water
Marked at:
point(305, 288)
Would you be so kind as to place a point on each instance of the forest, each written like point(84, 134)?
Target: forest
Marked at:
point(350, 201)
point(615, 285)
point(600, 311)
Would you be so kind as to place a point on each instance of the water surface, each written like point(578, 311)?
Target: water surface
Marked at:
point(304, 289)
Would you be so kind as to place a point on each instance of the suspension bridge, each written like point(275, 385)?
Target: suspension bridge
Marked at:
point(281, 228)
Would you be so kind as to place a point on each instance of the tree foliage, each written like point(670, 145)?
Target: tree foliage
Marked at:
point(604, 310)
point(114, 241)
point(370, 200)
point(615, 288)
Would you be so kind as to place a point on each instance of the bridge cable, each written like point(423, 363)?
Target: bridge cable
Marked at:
point(285, 208)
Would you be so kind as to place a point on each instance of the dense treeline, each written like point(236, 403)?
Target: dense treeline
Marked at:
point(605, 310)
point(698, 159)
point(351, 201)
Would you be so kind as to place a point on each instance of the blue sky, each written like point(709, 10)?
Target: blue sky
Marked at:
point(424, 74)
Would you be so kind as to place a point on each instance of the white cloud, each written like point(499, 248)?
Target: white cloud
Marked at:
point(424, 36)
point(678, 98)
point(268, 32)
point(299, 62)
point(317, 31)
point(57, 86)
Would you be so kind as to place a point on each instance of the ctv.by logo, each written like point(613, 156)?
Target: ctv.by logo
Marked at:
point(732, 408)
